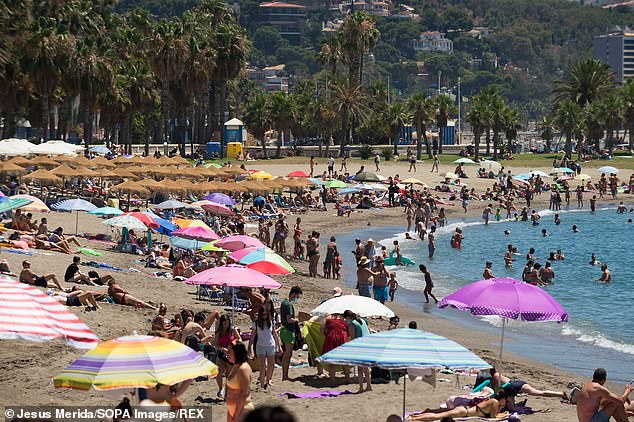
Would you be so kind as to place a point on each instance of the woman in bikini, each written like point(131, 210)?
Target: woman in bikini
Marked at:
point(238, 394)
point(487, 409)
point(122, 297)
point(223, 337)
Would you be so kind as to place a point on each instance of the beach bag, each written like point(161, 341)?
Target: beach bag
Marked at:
point(299, 339)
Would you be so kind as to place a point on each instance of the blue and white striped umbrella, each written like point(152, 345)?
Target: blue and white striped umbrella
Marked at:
point(106, 211)
point(76, 204)
point(404, 348)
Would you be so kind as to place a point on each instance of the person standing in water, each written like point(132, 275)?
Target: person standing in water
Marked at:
point(429, 284)
point(487, 271)
point(431, 238)
point(606, 275)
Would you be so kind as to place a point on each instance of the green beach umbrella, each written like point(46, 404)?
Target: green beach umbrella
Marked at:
point(464, 160)
point(8, 204)
point(336, 184)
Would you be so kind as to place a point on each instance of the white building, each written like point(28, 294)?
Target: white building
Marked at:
point(433, 41)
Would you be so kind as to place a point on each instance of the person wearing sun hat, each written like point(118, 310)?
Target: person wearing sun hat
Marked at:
point(365, 277)
point(369, 250)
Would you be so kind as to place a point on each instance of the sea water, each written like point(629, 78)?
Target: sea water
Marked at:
point(600, 331)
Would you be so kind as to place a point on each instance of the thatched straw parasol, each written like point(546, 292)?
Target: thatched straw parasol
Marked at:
point(7, 167)
point(21, 161)
point(124, 173)
point(43, 161)
point(42, 175)
point(64, 171)
point(98, 162)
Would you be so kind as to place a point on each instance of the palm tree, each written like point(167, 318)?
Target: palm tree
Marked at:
point(256, 117)
point(613, 107)
point(627, 93)
point(567, 117)
point(348, 101)
point(281, 111)
point(357, 35)
point(445, 110)
point(547, 129)
point(396, 117)
point(330, 54)
point(476, 116)
point(423, 110)
point(512, 122)
point(586, 82)
point(594, 123)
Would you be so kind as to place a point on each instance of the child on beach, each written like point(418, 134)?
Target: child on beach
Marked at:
point(393, 285)
point(397, 251)
point(336, 267)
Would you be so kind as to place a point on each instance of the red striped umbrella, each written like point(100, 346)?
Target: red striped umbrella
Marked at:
point(28, 313)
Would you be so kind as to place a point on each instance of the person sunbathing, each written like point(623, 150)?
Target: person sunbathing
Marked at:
point(122, 297)
point(77, 297)
point(515, 387)
point(183, 268)
point(57, 237)
point(486, 409)
point(27, 276)
point(74, 275)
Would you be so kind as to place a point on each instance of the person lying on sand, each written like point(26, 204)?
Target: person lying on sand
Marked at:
point(77, 297)
point(41, 242)
point(515, 387)
point(122, 297)
point(58, 236)
point(29, 277)
point(486, 409)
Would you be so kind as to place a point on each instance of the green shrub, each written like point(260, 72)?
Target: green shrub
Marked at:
point(387, 153)
point(365, 152)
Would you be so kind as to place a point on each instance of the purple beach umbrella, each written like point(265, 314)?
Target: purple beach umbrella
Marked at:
point(507, 298)
point(220, 198)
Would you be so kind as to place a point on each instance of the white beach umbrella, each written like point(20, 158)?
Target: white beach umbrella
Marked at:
point(361, 305)
point(608, 170)
point(538, 173)
point(57, 148)
point(13, 146)
point(489, 165)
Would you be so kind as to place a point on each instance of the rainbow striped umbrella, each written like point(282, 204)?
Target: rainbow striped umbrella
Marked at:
point(404, 349)
point(135, 362)
point(250, 256)
point(27, 313)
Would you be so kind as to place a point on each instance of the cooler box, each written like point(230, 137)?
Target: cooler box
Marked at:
point(233, 150)
point(213, 147)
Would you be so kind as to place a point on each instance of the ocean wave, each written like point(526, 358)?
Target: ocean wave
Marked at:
point(598, 340)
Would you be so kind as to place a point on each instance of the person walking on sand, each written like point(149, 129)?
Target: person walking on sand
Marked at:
point(312, 166)
point(412, 162)
point(290, 326)
point(331, 165)
point(595, 403)
point(429, 284)
point(486, 213)
point(435, 164)
point(377, 162)
point(344, 165)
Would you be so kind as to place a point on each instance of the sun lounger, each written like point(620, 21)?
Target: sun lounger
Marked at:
point(205, 293)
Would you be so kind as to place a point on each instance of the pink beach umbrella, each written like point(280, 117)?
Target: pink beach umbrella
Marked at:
point(507, 298)
point(196, 233)
point(28, 313)
point(233, 243)
point(218, 209)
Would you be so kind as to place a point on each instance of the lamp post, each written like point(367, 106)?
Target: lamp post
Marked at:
point(459, 115)
point(165, 148)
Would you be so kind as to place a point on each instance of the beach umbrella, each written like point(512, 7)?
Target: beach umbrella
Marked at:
point(11, 168)
point(506, 298)
point(220, 198)
point(146, 219)
point(369, 186)
point(404, 349)
point(170, 205)
point(64, 171)
point(464, 160)
point(36, 205)
point(189, 244)
point(450, 175)
point(297, 173)
point(100, 149)
point(183, 222)
point(249, 256)
point(583, 177)
point(414, 181)
point(124, 173)
point(218, 209)
point(13, 146)
point(135, 362)
point(126, 221)
point(233, 170)
point(346, 191)
point(564, 170)
point(234, 276)
point(8, 204)
point(364, 306)
point(538, 173)
point(42, 175)
point(57, 147)
point(28, 313)
point(106, 211)
point(197, 233)
point(270, 268)
point(210, 247)
point(335, 183)
point(523, 176)
point(20, 161)
point(80, 161)
point(261, 175)
point(490, 165)
point(76, 204)
point(130, 187)
point(233, 243)
point(608, 170)
point(166, 226)
point(520, 181)
point(317, 182)
point(366, 176)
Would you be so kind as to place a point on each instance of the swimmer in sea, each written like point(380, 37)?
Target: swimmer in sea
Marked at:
point(487, 271)
point(575, 229)
point(544, 233)
point(529, 255)
point(535, 218)
point(606, 275)
point(594, 260)
point(621, 209)
point(593, 203)
point(557, 219)
point(560, 255)
point(408, 237)
point(508, 256)
point(507, 232)
point(629, 220)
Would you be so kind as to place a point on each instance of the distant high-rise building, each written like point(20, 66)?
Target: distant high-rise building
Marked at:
point(616, 48)
point(289, 19)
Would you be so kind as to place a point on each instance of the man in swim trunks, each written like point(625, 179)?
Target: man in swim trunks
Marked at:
point(606, 275)
point(508, 256)
point(487, 271)
point(595, 403)
point(29, 277)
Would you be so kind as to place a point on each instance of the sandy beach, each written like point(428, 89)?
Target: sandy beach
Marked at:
point(27, 369)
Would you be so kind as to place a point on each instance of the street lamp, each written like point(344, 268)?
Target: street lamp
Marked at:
point(165, 148)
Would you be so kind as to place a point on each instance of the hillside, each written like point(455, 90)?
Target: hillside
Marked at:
point(528, 45)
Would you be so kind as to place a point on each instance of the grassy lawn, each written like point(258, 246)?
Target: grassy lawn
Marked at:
point(521, 160)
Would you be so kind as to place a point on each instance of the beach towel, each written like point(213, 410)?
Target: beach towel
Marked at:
point(501, 417)
point(315, 394)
